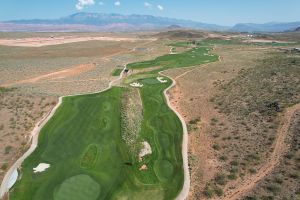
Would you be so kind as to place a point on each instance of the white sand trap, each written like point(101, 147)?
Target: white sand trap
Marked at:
point(13, 179)
point(41, 167)
point(161, 79)
point(136, 84)
point(146, 150)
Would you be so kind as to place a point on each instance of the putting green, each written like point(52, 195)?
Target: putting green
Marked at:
point(78, 188)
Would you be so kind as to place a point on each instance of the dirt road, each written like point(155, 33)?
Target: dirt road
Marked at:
point(279, 150)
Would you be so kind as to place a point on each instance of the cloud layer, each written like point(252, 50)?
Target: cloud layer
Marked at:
point(160, 7)
point(82, 3)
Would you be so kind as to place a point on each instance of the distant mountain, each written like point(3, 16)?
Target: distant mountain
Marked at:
point(117, 22)
point(172, 27)
point(297, 29)
point(132, 22)
point(267, 27)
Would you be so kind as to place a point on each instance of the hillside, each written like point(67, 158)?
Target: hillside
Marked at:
point(127, 22)
point(267, 27)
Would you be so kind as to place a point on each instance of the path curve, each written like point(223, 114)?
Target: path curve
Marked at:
point(279, 149)
point(35, 134)
point(186, 184)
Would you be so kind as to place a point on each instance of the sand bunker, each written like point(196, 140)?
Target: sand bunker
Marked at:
point(40, 41)
point(146, 150)
point(161, 79)
point(41, 167)
point(136, 84)
point(13, 179)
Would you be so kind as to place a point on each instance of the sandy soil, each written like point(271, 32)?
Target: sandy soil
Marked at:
point(40, 41)
point(279, 150)
point(61, 74)
point(266, 41)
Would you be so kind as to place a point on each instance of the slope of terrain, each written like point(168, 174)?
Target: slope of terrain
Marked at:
point(226, 147)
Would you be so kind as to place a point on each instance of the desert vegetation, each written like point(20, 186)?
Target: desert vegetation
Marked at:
point(19, 113)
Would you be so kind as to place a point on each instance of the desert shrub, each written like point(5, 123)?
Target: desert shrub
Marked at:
point(4, 166)
point(194, 121)
point(208, 191)
point(234, 163)
point(223, 158)
point(252, 171)
point(220, 179)
point(7, 149)
point(216, 147)
point(219, 192)
point(275, 189)
point(251, 198)
point(232, 176)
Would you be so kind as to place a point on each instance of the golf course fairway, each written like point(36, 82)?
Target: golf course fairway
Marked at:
point(88, 158)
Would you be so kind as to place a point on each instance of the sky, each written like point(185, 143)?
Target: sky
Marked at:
point(222, 12)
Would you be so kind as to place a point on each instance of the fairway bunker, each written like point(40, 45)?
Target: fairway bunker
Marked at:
point(146, 150)
point(41, 167)
point(161, 79)
point(136, 84)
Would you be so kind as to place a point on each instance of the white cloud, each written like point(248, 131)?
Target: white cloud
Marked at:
point(117, 3)
point(160, 7)
point(148, 5)
point(101, 3)
point(82, 3)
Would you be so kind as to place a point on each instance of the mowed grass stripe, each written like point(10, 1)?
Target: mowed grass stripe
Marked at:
point(66, 137)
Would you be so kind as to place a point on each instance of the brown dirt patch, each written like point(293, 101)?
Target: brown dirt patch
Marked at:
point(40, 41)
point(61, 74)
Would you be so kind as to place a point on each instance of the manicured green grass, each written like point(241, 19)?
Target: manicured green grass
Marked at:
point(83, 143)
point(117, 72)
point(89, 157)
point(79, 122)
point(83, 139)
point(193, 57)
point(77, 188)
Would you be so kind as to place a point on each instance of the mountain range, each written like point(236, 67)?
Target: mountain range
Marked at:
point(117, 22)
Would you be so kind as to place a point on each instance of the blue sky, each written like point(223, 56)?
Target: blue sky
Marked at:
point(223, 12)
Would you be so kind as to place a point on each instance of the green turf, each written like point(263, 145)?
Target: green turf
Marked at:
point(83, 143)
point(79, 122)
point(192, 57)
point(117, 72)
point(77, 188)
point(89, 157)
